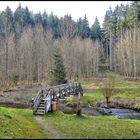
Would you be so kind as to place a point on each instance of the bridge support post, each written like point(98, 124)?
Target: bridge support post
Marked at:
point(78, 110)
point(54, 106)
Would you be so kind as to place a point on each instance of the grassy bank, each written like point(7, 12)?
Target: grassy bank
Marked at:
point(18, 123)
point(98, 127)
point(125, 91)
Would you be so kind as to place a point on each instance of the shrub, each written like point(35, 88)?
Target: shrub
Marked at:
point(107, 88)
point(15, 78)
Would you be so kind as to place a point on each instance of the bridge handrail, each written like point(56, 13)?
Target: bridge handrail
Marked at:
point(37, 100)
point(72, 87)
point(59, 86)
point(47, 101)
point(63, 85)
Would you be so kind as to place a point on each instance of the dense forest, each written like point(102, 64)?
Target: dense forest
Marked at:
point(28, 40)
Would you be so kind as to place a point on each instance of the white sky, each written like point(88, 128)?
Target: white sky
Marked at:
point(60, 8)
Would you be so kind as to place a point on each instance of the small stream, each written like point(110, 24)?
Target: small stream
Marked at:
point(120, 113)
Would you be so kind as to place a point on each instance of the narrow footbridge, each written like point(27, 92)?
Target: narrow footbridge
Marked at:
point(45, 98)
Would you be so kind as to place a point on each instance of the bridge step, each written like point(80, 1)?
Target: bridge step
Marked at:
point(41, 107)
point(41, 104)
point(39, 113)
point(41, 110)
point(43, 100)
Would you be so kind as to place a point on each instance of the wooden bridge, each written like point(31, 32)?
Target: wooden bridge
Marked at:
point(46, 97)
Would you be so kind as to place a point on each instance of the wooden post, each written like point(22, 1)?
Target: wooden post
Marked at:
point(78, 110)
point(54, 106)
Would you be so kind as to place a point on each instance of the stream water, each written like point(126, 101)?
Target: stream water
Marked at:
point(120, 113)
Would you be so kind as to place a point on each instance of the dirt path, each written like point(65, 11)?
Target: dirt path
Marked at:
point(46, 128)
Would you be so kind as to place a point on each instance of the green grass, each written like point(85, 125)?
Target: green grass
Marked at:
point(91, 98)
point(121, 94)
point(128, 93)
point(127, 90)
point(96, 127)
point(18, 123)
point(86, 83)
point(124, 91)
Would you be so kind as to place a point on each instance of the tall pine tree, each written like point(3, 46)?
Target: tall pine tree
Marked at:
point(85, 30)
point(96, 30)
point(57, 72)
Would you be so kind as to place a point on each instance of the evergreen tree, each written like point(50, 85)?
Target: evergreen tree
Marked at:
point(96, 30)
point(18, 15)
point(85, 28)
point(45, 20)
point(38, 18)
point(79, 27)
point(57, 72)
point(136, 4)
point(53, 23)
point(1, 24)
point(132, 17)
point(67, 26)
point(7, 20)
point(107, 25)
point(28, 19)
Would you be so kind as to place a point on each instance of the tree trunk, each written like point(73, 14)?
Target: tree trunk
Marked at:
point(107, 101)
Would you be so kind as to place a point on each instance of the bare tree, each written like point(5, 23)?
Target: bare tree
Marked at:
point(28, 59)
point(126, 53)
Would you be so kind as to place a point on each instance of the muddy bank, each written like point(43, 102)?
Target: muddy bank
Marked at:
point(71, 109)
point(87, 110)
point(19, 98)
point(16, 105)
point(120, 113)
point(90, 111)
point(131, 104)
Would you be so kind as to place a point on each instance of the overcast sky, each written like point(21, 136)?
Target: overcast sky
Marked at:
point(60, 8)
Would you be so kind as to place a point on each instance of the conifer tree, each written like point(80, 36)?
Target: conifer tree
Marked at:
point(96, 30)
point(57, 72)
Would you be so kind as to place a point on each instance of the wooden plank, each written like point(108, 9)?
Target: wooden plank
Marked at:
point(48, 103)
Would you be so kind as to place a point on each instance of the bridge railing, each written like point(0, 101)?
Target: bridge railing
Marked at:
point(37, 100)
point(48, 102)
point(61, 91)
